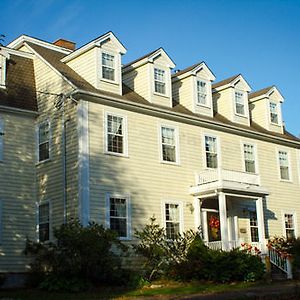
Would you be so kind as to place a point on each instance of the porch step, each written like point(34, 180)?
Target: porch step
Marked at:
point(277, 274)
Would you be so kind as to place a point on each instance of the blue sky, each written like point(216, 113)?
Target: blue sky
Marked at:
point(259, 39)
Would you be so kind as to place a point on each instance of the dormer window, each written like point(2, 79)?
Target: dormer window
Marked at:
point(201, 92)
point(239, 103)
point(274, 112)
point(159, 81)
point(3, 58)
point(108, 66)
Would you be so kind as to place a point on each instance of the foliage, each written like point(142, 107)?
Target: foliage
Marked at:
point(295, 252)
point(186, 257)
point(288, 248)
point(220, 266)
point(281, 245)
point(80, 256)
point(159, 252)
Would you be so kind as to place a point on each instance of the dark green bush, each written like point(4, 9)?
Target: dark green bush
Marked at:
point(295, 251)
point(219, 266)
point(160, 254)
point(187, 258)
point(81, 256)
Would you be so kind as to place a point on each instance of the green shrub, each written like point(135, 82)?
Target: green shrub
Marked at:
point(160, 254)
point(295, 252)
point(81, 256)
point(187, 258)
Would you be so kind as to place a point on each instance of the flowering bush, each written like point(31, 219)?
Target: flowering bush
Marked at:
point(281, 245)
point(248, 248)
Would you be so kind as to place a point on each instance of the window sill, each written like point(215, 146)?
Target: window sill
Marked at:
point(241, 116)
point(286, 180)
point(161, 95)
point(110, 81)
point(43, 162)
point(116, 154)
point(170, 163)
point(125, 239)
point(203, 105)
point(275, 124)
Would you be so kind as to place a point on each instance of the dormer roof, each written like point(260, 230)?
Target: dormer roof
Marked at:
point(19, 42)
point(150, 57)
point(231, 82)
point(265, 93)
point(109, 36)
point(193, 70)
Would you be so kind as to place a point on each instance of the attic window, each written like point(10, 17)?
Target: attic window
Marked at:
point(159, 81)
point(201, 92)
point(274, 112)
point(108, 66)
point(239, 103)
point(2, 70)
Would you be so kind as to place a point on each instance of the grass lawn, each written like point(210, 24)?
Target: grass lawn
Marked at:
point(155, 289)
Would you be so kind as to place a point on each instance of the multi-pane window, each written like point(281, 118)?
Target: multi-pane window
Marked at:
point(249, 158)
point(172, 213)
point(289, 226)
point(211, 152)
point(44, 222)
point(273, 113)
point(239, 103)
point(159, 81)
point(108, 66)
point(201, 92)
point(1, 138)
point(168, 144)
point(118, 217)
point(253, 226)
point(284, 165)
point(43, 141)
point(115, 134)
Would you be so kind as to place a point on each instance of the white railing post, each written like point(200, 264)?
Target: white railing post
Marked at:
point(289, 270)
point(261, 224)
point(223, 220)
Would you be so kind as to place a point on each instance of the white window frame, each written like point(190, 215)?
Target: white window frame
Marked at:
point(125, 134)
point(207, 98)
point(38, 204)
point(128, 211)
point(163, 209)
point(4, 56)
point(176, 135)
point(168, 86)
point(289, 165)
point(116, 68)
point(293, 213)
point(277, 113)
point(255, 156)
point(218, 150)
point(38, 141)
point(160, 81)
point(2, 132)
point(244, 102)
point(250, 211)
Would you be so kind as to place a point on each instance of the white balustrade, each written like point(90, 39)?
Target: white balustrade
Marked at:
point(212, 175)
point(281, 262)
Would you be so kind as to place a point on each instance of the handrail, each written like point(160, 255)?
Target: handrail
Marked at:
point(281, 262)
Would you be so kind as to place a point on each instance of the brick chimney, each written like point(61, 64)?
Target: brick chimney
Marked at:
point(65, 44)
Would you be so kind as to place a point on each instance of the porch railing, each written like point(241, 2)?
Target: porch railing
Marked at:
point(212, 175)
point(217, 245)
point(281, 262)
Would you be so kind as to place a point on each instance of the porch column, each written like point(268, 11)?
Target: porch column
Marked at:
point(223, 220)
point(261, 223)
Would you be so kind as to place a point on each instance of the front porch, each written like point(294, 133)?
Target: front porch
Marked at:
point(229, 207)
